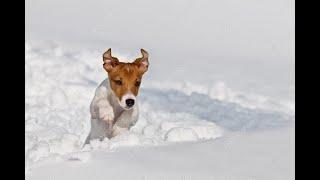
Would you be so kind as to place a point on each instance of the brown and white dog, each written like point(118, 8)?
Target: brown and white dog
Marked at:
point(114, 108)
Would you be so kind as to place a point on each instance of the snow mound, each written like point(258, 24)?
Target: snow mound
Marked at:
point(181, 134)
point(159, 129)
point(201, 129)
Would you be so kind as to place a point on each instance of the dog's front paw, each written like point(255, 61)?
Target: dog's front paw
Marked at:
point(106, 115)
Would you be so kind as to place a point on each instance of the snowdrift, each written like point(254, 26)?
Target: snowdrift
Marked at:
point(60, 85)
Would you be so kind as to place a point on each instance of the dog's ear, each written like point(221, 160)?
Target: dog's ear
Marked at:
point(143, 62)
point(109, 62)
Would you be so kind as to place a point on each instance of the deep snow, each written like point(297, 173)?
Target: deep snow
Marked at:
point(57, 112)
point(262, 156)
point(221, 77)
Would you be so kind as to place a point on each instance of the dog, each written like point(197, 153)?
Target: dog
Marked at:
point(114, 108)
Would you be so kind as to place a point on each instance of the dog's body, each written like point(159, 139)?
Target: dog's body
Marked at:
point(106, 101)
point(114, 108)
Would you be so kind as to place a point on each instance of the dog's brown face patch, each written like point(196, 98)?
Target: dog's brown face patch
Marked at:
point(125, 77)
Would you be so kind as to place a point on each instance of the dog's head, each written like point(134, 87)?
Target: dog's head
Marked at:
point(125, 78)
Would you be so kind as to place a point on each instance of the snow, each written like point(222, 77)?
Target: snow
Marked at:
point(57, 111)
point(57, 115)
point(235, 156)
point(216, 103)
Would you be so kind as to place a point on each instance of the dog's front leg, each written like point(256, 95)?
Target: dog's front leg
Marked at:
point(106, 115)
point(102, 118)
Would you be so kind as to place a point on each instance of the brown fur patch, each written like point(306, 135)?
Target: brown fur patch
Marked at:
point(130, 77)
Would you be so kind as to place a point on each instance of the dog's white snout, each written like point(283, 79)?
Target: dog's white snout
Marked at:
point(128, 100)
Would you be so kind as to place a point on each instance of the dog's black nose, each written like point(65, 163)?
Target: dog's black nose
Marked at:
point(130, 102)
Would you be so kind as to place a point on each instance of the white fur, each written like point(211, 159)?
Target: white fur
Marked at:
point(128, 95)
point(106, 108)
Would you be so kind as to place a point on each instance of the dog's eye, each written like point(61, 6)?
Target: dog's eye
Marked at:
point(138, 83)
point(118, 82)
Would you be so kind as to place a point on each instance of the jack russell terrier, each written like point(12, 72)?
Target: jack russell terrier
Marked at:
point(114, 108)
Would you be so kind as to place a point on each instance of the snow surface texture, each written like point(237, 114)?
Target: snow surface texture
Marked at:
point(57, 114)
point(237, 156)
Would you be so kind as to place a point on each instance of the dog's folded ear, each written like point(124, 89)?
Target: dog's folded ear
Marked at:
point(143, 62)
point(144, 54)
point(109, 62)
